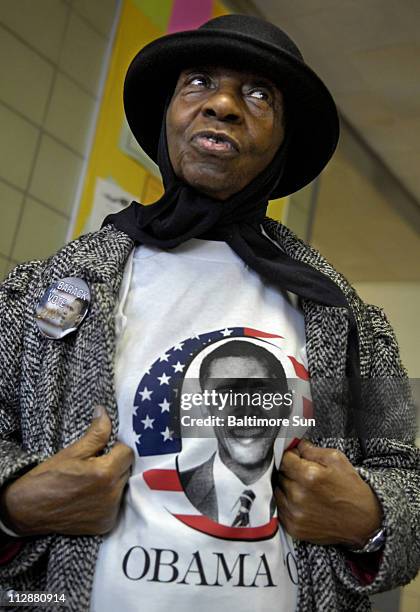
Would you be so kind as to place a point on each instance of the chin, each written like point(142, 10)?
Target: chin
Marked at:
point(217, 187)
point(247, 452)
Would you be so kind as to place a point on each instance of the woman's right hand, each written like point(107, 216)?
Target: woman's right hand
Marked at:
point(74, 492)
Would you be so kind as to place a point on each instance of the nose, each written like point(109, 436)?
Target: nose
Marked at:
point(223, 105)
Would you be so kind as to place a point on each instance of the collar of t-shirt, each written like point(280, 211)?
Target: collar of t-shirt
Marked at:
point(228, 502)
point(207, 250)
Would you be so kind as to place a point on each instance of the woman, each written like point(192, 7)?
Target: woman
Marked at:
point(207, 266)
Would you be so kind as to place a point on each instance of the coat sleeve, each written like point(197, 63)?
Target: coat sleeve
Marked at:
point(392, 469)
point(16, 555)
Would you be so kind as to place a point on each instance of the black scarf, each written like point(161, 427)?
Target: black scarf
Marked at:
point(183, 213)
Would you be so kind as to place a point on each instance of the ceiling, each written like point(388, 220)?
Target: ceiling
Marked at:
point(368, 54)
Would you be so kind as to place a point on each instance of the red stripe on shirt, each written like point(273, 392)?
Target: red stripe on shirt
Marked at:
point(162, 480)
point(248, 331)
point(300, 370)
point(206, 525)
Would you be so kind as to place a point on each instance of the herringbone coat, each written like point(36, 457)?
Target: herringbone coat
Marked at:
point(48, 389)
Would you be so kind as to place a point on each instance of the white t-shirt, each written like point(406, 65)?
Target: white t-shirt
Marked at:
point(174, 546)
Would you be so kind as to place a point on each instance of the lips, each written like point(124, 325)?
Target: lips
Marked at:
point(247, 433)
point(215, 142)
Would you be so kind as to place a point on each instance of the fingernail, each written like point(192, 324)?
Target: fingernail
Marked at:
point(98, 412)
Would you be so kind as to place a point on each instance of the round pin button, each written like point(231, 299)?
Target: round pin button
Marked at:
point(63, 307)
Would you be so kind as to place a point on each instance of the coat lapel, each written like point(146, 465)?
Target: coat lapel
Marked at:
point(101, 264)
point(326, 329)
point(70, 376)
point(326, 345)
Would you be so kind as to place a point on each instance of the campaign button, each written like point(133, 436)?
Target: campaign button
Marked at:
point(63, 307)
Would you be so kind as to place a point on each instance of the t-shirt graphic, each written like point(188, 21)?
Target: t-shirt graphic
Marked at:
point(158, 433)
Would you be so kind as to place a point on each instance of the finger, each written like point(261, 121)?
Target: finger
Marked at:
point(292, 465)
point(125, 476)
point(285, 484)
point(281, 502)
point(304, 443)
point(122, 481)
point(293, 444)
point(121, 458)
point(95, 438)
point(300, 470)
point(324, 456)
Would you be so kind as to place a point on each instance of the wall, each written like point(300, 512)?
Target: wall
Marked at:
point(51, 56)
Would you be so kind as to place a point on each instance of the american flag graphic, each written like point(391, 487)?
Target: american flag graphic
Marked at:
point(155, 422)
point(156, 403)
point(155, 419)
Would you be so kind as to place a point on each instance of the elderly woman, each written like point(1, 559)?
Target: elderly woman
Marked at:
point(161, 520)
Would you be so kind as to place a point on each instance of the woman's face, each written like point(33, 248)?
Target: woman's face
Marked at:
point(223, 127)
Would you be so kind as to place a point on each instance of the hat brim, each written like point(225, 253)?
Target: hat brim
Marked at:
point(153, 73)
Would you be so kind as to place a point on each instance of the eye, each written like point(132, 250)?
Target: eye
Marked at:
point(198, 80)
point(260, 94)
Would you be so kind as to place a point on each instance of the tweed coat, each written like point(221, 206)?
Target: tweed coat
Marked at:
point(48, 389)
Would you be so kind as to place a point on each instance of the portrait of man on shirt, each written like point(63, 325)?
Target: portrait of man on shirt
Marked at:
point(238, 475)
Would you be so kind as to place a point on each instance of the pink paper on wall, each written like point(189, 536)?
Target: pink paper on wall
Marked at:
point(189, 14)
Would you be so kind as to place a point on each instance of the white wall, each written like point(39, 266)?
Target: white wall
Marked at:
point(51, 58)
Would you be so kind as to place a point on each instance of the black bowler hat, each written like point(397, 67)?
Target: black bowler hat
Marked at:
point(237, 41)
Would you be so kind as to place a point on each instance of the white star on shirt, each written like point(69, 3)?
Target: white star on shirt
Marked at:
point(178, 367)
point(145, 394)
point(164, 379)
point(164, 357)
point(167, 434)
point(226, 332)
point(178, 347)
point(195, 336)
point(148, 422)
point(138, 438)
point(164, 406)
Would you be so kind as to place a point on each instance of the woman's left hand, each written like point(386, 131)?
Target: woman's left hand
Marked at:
point(322, 499)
